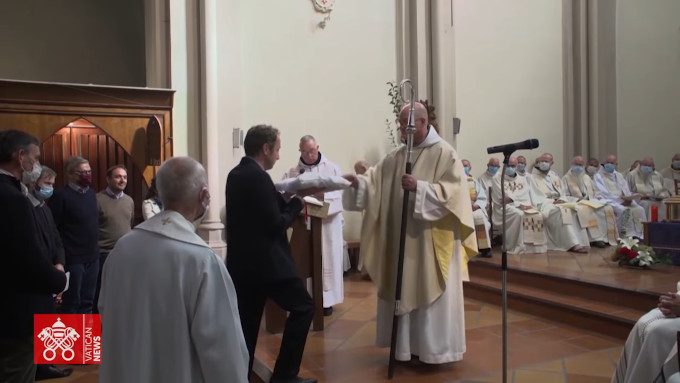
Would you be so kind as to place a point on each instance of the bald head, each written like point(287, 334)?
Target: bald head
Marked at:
point(512, 161)
point(611, 159)
point(493, 162)
point(181, 183)
point(647, 161)
point(419, 120)
point(676, 157)
point(578, 161)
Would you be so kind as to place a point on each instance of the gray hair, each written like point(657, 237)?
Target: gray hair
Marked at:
point(46, 173)
point(180, 180)
point(73, 163)
point(12, 140)
point(307, 137)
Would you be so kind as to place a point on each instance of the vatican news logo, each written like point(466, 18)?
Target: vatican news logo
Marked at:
point(67, 339)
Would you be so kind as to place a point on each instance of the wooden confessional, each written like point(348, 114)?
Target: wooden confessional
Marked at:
point(105, 125)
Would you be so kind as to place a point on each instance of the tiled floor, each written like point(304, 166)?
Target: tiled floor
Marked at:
point(538, 350)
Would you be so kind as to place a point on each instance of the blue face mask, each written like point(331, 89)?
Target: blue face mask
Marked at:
point(544, 166)
point(676, 164)
point(510, 172)
point(521, 166)
point(577, 169)
point(646, 169)
point(467, 170)
point(609, 167)
point(493, 169)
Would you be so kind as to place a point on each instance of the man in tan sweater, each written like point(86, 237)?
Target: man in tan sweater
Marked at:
point(116, 213)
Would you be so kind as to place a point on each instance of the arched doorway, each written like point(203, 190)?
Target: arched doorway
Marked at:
point(83, 138)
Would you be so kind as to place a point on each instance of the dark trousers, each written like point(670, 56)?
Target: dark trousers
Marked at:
point(79, 297)
point(102, 259)
point(16, 361)
point(292, 296)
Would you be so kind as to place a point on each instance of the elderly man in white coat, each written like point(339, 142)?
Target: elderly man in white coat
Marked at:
point(168, 305)
point(332, 248)
point(613, 187)
point(649, 183)
point(479, 211)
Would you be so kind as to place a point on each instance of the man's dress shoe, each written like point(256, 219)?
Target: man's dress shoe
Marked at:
point(49, 371)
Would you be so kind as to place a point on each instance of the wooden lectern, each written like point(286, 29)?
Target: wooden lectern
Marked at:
point(305, 246)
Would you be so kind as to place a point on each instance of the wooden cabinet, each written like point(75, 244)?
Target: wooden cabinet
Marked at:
point(106, 125)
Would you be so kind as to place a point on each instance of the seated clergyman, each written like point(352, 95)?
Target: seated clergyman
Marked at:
point(649, 183)
point(534, 223)
point(479, 202)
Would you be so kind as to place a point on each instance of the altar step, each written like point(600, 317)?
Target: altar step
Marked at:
point(595, 307)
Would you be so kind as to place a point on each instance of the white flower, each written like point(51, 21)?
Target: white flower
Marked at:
point(629, 243)
point(644, 259)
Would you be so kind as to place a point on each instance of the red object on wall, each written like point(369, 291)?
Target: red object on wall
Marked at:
point(655, 213)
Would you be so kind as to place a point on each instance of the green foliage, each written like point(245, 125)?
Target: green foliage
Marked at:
point(395, 101)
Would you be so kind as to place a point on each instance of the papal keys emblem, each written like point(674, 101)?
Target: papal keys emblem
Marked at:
point(58, 337)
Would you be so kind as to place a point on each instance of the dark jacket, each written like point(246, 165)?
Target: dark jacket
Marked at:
point(49, 234)
point(257, 219)
point(29, 279)
point(77, 218)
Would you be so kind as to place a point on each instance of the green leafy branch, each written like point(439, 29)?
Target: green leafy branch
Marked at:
point(395, 101)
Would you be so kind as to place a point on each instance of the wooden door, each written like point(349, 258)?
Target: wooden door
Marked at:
point(82, 138)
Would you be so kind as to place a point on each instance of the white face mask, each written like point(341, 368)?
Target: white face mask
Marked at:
point(544, 166)
point(197, 222)
point(591, 170)
point(33, 175)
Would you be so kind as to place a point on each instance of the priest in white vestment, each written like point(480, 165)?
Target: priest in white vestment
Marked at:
point(167, 303)
point(332, 248)
point(550, 184)
point(671, 174)
point(535, 224)
point(650, 352)
point(439, 241)
point(522, 166)
point(593, 167)
point(486, 178)
point(597, 215)
point(649, 183)
point(612, 187)
point(479, 212)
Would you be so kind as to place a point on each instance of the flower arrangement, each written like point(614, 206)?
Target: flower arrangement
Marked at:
point(630, 252)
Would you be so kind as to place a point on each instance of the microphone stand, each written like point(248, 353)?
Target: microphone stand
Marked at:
point(504, 272)
point(410, 130)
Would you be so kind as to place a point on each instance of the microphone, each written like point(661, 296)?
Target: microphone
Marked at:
point(531, 143)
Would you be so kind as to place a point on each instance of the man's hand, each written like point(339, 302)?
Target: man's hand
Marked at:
point(409, 182)
point(360, 167)
point(59, 267)
point(525, 207)
point(353, 179)
point(475, 207)
point(669, 304)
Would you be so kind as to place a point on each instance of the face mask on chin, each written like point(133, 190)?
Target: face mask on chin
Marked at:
point(197, 222)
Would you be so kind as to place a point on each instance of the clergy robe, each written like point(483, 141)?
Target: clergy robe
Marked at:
point(611, 187)
point(480, 216)
point(580, 188)
point(651, 185)
point(439, 241)
point(670, 175)
point(650, 351)
point(486, 180)
point(332, 248)
point(532, 231)
point(168, 309)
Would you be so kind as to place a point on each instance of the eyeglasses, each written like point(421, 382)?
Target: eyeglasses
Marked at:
point(83, 172)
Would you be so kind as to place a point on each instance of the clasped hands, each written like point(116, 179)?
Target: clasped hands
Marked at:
point(669, 304)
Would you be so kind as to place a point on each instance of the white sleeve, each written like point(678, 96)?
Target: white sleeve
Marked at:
point(427, 206)
point(216, 327)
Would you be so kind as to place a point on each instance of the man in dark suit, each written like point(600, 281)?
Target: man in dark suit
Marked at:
point(258, 252)
point(29, 279)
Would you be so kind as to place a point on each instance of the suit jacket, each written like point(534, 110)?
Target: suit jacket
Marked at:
point(29, 279)
point(257, 219)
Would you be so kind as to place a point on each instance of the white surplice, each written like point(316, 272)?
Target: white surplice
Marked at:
point(486, 181)
point(168, 308)
point(480, 215)
point(651, 185)
point(650, 350)
point(611, 187)
point(581, 187)
point(670, 175)
point(532, 233)
point(332, 248)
